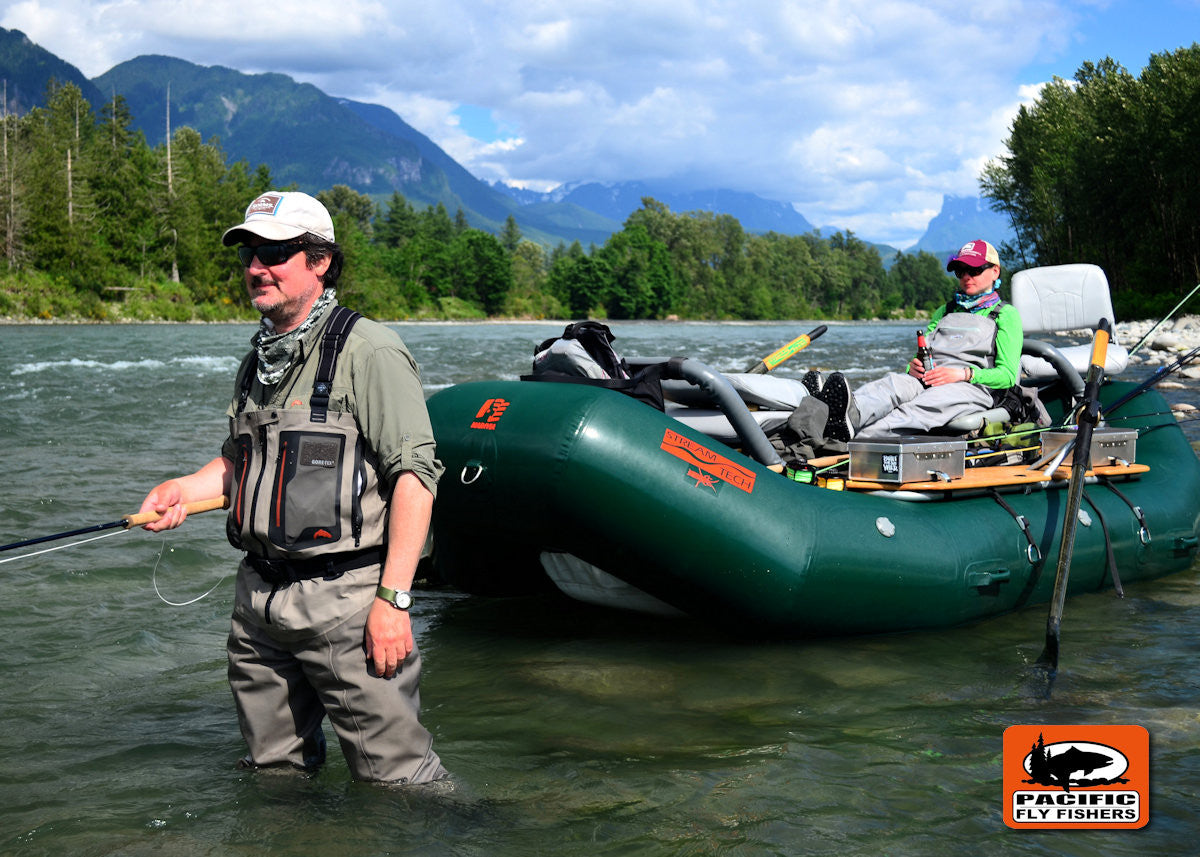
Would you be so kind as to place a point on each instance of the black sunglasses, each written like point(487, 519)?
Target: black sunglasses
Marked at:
point(268, 254)
point(963, 270)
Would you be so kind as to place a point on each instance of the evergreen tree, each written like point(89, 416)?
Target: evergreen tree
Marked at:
point(437, 225)
point(121, 186)
point(57, 192)
point(400, 222)
point(510, 238)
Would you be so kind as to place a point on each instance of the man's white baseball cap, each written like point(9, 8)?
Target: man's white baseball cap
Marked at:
point(280, 216)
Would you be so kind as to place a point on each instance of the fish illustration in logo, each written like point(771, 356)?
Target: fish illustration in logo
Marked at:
point(1071, 765)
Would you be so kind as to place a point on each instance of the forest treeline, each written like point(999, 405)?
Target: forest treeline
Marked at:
point(1104, 168)
point(97, 224)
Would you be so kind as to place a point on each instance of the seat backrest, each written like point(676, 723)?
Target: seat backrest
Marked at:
point(1062, 297)
point(1065, 297)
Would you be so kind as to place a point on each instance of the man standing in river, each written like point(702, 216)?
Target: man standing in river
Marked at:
point(330, 472)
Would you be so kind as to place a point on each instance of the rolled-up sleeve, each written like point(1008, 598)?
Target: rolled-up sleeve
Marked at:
point(391, 412)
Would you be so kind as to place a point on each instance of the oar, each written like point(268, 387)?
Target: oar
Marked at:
point(1089, 415)
point(798, 344)
point(135, 520)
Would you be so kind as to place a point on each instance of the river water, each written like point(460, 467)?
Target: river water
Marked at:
point(569, 731)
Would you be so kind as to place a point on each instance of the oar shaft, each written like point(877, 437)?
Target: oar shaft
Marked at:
point(1079, 464)
point(777, 357)
point(1089, 415)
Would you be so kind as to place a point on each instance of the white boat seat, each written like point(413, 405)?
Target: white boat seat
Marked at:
point(1057, 298)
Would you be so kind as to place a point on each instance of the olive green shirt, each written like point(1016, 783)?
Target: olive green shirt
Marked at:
point(377, 380)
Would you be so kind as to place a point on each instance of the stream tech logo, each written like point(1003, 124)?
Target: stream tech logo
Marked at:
point(1080, 777)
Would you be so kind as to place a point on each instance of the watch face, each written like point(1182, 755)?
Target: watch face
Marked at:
point(403, 600)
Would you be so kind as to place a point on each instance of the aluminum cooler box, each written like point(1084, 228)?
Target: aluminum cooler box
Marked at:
point(907, 458)
point(1109, 445)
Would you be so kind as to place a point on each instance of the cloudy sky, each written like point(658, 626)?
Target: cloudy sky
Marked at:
point(862, 113)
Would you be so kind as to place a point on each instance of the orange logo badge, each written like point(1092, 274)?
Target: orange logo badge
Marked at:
point(1076, 777)
point(490, 414)
point(707, 467)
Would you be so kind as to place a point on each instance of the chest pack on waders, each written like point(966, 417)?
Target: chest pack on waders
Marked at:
point(978, 348)
point(303, 487)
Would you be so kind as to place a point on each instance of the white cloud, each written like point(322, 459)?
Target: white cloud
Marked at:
point(862, 112)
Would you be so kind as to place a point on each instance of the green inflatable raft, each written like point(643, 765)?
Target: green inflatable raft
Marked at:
point(686, 510)
point(619, 503)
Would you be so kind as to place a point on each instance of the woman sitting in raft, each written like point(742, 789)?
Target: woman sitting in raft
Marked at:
point(975, 341)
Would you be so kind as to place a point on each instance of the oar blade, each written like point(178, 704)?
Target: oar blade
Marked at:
point(777, 357)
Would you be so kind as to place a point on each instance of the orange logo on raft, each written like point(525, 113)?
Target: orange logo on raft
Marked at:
point(490, 414)
point(1076, 777)
point(707, 461)
point(322, 534)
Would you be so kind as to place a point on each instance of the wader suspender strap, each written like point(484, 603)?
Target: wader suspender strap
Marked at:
point(244, 392)
point(1032, 553)
point(337, 330)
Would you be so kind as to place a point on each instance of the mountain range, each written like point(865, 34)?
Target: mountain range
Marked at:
point(313, 141)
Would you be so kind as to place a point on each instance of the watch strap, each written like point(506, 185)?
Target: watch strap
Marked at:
point(390, 596)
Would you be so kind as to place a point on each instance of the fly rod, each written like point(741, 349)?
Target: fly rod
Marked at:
point(125, 522)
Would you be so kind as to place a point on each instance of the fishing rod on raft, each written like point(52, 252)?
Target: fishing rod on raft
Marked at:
point(125, 522)
point(1161, 373)
point(1163, 320)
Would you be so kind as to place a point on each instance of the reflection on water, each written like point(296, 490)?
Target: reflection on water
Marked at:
point(569, 730)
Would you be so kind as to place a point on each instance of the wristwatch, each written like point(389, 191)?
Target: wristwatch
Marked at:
point(401, 600)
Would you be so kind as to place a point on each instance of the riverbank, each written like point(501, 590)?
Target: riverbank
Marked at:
point(1169, 341)
point(1171, 337)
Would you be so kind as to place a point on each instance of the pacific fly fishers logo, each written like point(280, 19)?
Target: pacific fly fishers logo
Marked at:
point(1076, 777)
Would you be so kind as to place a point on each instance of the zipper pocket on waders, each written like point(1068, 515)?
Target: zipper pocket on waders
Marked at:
point(306, 501)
